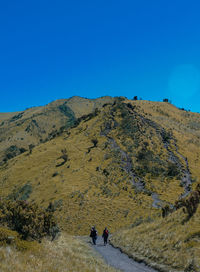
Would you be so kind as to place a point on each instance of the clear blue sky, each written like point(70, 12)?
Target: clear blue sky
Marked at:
point(57, 49)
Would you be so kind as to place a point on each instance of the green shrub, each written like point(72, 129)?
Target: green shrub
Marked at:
point(30, 221)
point(12, 151)
point(172, 170)
point(9, 237)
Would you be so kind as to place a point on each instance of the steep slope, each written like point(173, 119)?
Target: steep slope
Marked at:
point(22, 131)
point(168, 244)
point(114, 167)
point(115, 164)
point(90, 187)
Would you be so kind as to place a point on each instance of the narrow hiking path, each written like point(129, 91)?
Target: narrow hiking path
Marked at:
point(115, 258)
point(127, 166)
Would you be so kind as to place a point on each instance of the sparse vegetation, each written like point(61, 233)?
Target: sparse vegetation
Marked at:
point(12, 152)
point(189, 204)
point(133, 154)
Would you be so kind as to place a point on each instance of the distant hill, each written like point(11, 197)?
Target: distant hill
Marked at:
point(21, 131)
point(109, 161)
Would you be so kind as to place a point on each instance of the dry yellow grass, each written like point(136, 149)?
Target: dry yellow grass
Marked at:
point(38, 124)
point(91, 196)
point(184, 125)
point(166, 243)
point(65, 254)
point(88, 196)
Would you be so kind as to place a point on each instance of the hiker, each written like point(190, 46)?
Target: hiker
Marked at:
point(105, 236)
point(93, 235)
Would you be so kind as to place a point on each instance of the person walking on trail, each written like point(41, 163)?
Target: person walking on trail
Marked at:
point(105, 236)
point(93, 235)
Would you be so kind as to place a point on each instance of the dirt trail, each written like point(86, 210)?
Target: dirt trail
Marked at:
point(118, 260)
point(186, 180)
point(126, 164)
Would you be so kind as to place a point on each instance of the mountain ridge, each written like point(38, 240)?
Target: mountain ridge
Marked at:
point(117, 165)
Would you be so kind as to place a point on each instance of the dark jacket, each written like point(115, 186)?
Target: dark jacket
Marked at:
point(93, 233)
point(105, 233)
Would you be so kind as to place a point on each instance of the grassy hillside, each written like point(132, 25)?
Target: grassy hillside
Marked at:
point(169, 244)
point(117, 165)
point(89, 187)
point(21, 131)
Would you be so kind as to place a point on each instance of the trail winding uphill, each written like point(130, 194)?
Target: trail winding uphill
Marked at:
point(118, 260)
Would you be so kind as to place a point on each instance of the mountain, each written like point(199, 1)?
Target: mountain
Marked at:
point(21, 131)
point(107, 162)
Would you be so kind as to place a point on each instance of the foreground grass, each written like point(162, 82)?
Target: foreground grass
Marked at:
point(65, 254)
point(168, 244)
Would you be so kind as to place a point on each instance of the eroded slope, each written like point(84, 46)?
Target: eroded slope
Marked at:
point(114, 167)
